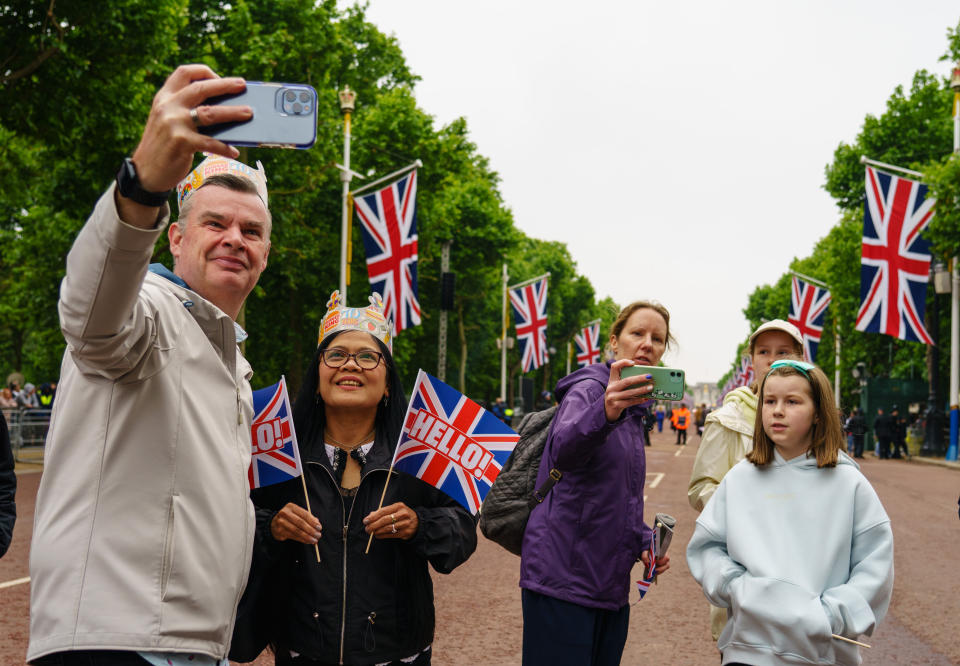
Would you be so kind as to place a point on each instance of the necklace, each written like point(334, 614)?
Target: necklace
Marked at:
point(348, 447)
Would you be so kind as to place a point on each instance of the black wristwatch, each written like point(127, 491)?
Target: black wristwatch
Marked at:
point(129, 186)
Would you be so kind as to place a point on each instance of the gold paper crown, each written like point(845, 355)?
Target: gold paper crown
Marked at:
point(369, 319)
point(215, 165)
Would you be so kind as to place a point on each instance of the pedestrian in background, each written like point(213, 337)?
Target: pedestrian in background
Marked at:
point(858, 430)
point(752, 549)
point(884, 431)
point(8, 488)
point(728, 431)
point(681, 422)
point(661, 412)
point(582, 541)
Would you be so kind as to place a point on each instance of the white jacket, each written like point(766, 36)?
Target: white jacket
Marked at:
point(797, 553)
point(143, 527)
point(727, 439)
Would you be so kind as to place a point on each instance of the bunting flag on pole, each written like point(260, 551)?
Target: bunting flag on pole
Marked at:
point(388, 219)
point(895, 258)
point(745, 373)
point(808, 310)
point(452, 443)
point(587, 342)
point(530, 315)
point(276, 457)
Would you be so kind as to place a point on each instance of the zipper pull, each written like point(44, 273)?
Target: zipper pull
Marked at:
point(345, 532)
point(239, 409)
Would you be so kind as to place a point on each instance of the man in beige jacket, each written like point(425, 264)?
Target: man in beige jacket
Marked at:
point(143, 527)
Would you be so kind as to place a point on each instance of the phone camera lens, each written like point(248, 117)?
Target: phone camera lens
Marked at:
point(297, 108)
point(290, 95)
point(304, 97)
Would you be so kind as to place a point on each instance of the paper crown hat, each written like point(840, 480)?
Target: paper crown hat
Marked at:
point(215, 165)
point(370, 319)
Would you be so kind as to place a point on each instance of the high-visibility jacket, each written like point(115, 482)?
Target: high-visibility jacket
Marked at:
point(681, 418)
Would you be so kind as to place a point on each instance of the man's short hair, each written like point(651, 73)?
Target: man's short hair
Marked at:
point(231, 182)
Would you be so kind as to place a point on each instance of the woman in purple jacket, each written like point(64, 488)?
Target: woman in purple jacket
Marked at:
point(583, 540)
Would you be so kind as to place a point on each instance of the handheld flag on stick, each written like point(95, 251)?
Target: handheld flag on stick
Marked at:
point(895, 258)
point(663, 527)
point(808, 310)
point(275, 455)
point(452, 443)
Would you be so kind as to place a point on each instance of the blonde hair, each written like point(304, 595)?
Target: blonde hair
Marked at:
point(826, 433)
point(617, 328)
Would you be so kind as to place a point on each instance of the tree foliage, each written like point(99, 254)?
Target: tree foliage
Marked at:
point(76, 83)
point(915, 131)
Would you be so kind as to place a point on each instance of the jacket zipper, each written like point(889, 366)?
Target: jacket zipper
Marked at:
point(346, 525)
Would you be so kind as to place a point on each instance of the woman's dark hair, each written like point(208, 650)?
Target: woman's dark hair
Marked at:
point(308, 409)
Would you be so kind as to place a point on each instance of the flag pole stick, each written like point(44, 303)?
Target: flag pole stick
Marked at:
point(306, 497)
point(503, 338)
point(849, 640)
point(382, 496)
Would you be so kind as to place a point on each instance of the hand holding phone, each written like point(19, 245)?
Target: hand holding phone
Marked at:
point(284, 116)
point(668, 383)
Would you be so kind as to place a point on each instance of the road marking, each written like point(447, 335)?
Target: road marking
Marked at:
point(657, 480)
point(16, 581)
point(677, 454)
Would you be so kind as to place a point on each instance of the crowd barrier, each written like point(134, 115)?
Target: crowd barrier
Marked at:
point(28, 432)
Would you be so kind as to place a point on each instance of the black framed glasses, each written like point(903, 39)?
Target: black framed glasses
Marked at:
point(366, 359)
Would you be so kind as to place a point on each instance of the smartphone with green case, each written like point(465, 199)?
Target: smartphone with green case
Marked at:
point(668, 383)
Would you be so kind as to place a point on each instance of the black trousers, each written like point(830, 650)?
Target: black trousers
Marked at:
point(681, 434)
point(560, 633)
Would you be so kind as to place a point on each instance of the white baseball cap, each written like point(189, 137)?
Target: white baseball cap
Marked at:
point(778, 325)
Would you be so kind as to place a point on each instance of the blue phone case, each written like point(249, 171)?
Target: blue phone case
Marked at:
point(284, 116)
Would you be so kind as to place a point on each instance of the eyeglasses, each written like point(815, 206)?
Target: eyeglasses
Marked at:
point(335, 358)
point(802, 366)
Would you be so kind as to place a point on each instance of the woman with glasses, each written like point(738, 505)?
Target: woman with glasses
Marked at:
point(353, 606)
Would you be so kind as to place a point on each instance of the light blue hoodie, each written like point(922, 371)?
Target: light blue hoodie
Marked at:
point(796, 553)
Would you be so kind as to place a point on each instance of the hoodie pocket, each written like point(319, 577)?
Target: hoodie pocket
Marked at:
point(780, 616)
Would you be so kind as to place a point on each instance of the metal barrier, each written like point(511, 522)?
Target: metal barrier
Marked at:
point(28, 433)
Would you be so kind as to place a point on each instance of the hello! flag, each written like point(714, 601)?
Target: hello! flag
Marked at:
point(276, 457)
point(452, 443)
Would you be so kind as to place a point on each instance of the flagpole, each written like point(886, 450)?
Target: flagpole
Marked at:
point(955, 296)
point(399, 172)
point(883, 165)
point(303, 480)
point(569, 354)
point(348, 100)
point(382, 496)
point(530, 281)
point(836, 364)
point(503, 338)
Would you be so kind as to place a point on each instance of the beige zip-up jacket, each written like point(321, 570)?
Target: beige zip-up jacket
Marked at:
point(143, 527)
point(727, 439)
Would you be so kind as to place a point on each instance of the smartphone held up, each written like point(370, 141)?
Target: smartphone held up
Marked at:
point(284, 116)
point(668, 383)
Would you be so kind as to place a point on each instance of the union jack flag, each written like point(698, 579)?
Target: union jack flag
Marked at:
point(452, 443)
point(587, 342)
point(808, 310)
point(276, 457)
point(530, 314)
point(388, 219)
point(744, 374)
point(895, 258)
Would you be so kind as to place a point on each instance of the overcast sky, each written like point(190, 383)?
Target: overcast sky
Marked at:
point(677, 148)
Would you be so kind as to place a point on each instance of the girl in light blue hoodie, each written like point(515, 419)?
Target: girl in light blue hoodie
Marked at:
point(795, 543)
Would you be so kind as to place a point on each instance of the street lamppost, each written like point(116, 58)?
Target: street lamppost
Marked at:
point(933, 436)
point(348, 100)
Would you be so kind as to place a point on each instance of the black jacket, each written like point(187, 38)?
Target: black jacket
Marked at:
point(389, 610)
point(8, 489)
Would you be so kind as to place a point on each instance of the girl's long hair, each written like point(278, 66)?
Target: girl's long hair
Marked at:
point(309, 409)
point(826, 434)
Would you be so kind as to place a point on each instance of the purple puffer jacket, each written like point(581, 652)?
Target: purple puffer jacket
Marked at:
point(582, 541)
